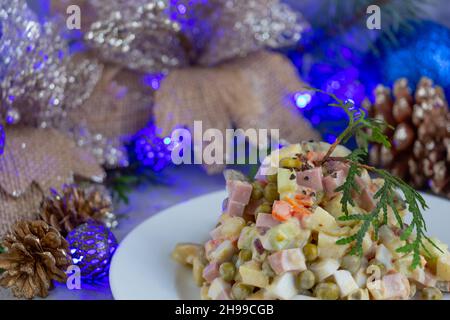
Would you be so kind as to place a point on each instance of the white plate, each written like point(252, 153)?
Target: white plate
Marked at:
point(142, 267)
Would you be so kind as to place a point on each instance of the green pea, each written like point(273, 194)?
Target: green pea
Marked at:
point(326, 291)
point(271, 192)
point(306, 280)
point(358, 294)
point(227, 271)
point(257, 191)
point(311, 252)
point(240, 291)
point(273, 178)
point(290, 163)
point(351, 263)
point(245, 255)
point(431, 294)
point(264, 208)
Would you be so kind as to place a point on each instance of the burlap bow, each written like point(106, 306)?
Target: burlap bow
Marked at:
point(213, 53)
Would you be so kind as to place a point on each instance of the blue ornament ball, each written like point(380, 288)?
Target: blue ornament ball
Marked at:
point(151, 150)
point(421, 51)
point(92, 246)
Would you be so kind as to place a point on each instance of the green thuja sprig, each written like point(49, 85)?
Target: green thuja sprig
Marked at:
point(366, 130)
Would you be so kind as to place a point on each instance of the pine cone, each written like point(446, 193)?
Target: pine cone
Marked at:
point(76, 206)
point(421, 135)
point(36, 254)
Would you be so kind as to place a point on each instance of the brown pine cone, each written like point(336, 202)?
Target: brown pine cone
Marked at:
point(420, 152)
point(36, 254)
point(76, 206)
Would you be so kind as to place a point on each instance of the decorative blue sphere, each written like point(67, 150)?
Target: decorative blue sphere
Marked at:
point(92, 246)
point(150, 150)
point(422, 52)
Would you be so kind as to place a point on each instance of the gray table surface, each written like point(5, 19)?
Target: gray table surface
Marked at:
point(186, 182)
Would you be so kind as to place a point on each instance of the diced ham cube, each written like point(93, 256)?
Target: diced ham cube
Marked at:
point(287, 260)
point(266, 221)
point(211, 272)
point(395, 286)
point(239, 191)
point(365, 200)
point(235, 209)
point(332, 182)
point(219, 290)
point(311, 179)
point(333, 166)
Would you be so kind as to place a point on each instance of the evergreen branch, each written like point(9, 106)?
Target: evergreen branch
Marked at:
point(367, 130)
point(349, 187)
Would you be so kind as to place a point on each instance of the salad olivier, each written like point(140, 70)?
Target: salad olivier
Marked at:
point(288, 234)
point(315, 225)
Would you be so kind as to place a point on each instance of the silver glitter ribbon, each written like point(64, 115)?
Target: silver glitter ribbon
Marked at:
point(31, 68)
point(156, 36)
point(41, 83)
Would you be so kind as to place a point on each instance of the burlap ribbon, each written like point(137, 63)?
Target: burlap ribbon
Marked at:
point(251, 92)
point(33, 162)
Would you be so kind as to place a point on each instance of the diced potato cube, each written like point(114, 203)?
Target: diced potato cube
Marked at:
point(384, 256)
point(334, 207)
point(185, 253)
point(281, 236)
point(403, 265)
point(345, 282)
point(361, 277)
point(435, 253)
point(443, 268)
point(283, 286)
point(223, 252)
point(321, 220)
point(367, 244)
point(253, 276)
point(197, 271)
point(219, 290)
point(328, 247)
point(391, 241)
point(246, 238)
point(232, 227)
point(285, 183)
point(325, 268)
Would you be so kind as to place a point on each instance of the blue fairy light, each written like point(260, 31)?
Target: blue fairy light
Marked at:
point(302, 99)
point(153, 80)
point(92, 246)
point(167, 140)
